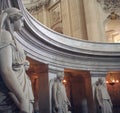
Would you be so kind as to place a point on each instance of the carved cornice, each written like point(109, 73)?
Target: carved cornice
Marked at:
point(45, 2)
point(31, 7)
point(110, 5)
point(34, 8)
point(60, 51)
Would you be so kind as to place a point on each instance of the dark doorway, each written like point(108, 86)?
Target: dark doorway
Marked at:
point(79, 90)
point(38, 74)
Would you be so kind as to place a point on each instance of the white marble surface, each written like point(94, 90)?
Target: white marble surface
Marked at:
point(60, 51)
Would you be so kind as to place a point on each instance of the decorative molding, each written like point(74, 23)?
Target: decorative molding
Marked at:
point(31, 7)
point(110, 5)
point(60, 51)
point(113, 16)
point(34, 8)
point(45, 2)
point(55, 15)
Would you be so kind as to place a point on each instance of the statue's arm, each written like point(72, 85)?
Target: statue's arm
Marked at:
point(10, 78)
point(54, 94)
point(98, 96)
point(67, 100)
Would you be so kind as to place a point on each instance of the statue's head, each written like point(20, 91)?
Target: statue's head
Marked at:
point(13, 15)
point(97, 83)
point(100, 80)
point(60, 75)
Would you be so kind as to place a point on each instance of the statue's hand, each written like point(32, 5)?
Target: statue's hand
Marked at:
point(56, 107)
point(100, 105)
point(111, 103)
point(24, 106)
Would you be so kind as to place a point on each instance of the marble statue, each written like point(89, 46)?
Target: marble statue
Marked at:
point(60, 100)
point(102, 96)
point(16, 94)
point(98, 109)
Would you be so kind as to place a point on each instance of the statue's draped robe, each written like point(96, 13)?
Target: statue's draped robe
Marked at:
point(104, 98)
point(61, 98)
point(18, 59)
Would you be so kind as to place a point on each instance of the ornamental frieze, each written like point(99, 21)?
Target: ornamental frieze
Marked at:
point(110, 5)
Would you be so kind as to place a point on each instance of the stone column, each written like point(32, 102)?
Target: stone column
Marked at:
point(73, 18)
point(65, 12)
point(44, 104)
point(44, 15)
point(52, 76)
point(94, 21)
point(77, 17)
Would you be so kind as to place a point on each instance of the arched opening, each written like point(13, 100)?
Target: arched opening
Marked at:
point(112, 28)
point(38, 73)
point(79, 90)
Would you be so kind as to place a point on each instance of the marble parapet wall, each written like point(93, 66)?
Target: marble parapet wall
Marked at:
point(60, 51)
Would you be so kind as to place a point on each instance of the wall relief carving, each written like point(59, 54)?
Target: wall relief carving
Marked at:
point(55, 14)
point(45, 2)
point(33, 6)
point(110, 5)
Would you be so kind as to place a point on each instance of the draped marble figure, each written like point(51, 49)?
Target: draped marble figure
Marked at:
point(103, 98)
point(16, 94)
point(60, 100)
